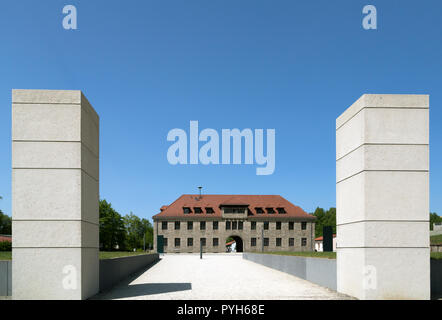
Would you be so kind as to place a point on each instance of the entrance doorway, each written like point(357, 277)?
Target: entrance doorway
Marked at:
point(234, 244)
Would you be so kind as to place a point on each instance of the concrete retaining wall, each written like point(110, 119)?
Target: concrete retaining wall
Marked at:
point(316, 270)
point(114, 270)
point(436, 278)
point(5, 278)
point(323, 271)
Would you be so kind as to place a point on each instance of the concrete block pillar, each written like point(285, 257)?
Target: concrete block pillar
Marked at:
point(55, 187)
point(382, 198)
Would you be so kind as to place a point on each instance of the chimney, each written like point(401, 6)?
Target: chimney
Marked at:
point(200, 191)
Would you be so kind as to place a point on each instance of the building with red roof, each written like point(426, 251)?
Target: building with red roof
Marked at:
point(255, 222)
point(4, 237)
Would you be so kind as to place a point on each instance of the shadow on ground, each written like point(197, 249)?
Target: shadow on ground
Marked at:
point(144, 289)
point(126, 290)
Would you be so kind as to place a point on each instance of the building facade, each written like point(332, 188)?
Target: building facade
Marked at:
point(256, 223)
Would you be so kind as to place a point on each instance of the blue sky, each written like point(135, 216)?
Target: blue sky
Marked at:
point(150, 66)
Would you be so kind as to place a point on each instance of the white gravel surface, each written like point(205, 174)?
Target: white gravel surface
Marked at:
point(216, 276)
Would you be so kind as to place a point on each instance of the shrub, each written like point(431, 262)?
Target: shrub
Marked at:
point(5, 246)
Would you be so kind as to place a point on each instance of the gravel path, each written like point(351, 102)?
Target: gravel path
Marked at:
point(216, 276)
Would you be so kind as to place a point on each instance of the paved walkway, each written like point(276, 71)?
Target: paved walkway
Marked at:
point(216, 276)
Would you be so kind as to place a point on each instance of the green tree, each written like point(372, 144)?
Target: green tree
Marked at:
point(434, 218)
point(324, 218)
point(136, 231)
point(5, 224)
point(112, 230)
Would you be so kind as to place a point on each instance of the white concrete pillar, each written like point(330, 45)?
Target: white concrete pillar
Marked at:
point(382, 198)
point(55, 197)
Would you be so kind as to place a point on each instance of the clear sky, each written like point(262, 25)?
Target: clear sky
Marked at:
point(150, 66)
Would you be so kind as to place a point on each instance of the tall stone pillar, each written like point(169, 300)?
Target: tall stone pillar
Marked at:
point(382, 198)
point(55, 139)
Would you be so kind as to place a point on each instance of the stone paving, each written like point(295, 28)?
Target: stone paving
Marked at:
point(216, 276)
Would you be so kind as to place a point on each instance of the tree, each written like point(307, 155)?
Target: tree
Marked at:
point(434, 218)
point(136, 231)
point(324, 218)
point(5, 224)
point(112, 230)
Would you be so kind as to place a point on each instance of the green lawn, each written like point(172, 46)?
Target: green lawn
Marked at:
point(103, 254)
point(116, 254)
point(324, 255)
point(5, 255)
point(119, 254)
point(436, 239)
point(436, 255)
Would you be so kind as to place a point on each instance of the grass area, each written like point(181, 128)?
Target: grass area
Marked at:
point(324, 255)
point(119, 254)
point(5, 255)
point(436, 239)
point(436, 255)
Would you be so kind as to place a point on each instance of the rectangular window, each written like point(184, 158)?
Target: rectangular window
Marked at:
point(278, 242)
point(291, 242)
point(253, 225)
point(202, 225)
point(259, 210)
point(240, 225)
point(189, 225)
point(303, 225)
point(198, 210)
point(164, 225)
point(303, 242)
point(270, 210)
point(278, 225)
point(266, 242)
point(266, 225)
point(253, 242)
point(165, 242)
point(215, 225)
point(234, 210)
point(190, 242)
point(291, 225)
point(177, 225)
point(215, 242)
point(281, 210)
point(234, 225)
point(228, 225)
point(177, 242)
point(187, 210)
point(203, 242)
point(209, 210)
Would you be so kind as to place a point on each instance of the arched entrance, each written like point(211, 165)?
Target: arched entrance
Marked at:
point(238, 243)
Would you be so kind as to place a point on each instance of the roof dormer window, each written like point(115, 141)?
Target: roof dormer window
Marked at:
point(270, 210)
point(209, 210)
point(259, 210)
point(198, 210)
point(187, 210)
point(281, 210)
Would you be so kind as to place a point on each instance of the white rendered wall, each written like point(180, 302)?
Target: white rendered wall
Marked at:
point(55, 197)
point(382, 198)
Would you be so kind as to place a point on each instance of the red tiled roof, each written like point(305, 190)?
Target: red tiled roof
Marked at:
point(322, 238)
point(214, 201)
point(5, 238)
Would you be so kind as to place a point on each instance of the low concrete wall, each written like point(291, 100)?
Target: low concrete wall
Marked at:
point(5, 278)
point(436, 278)
point(114, 270)
point(316, 270)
